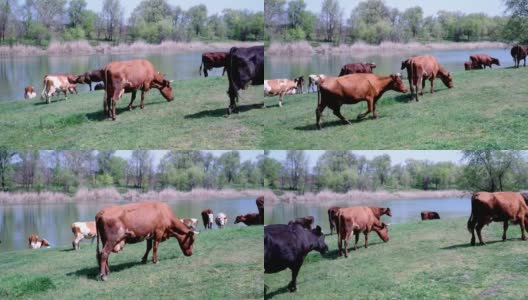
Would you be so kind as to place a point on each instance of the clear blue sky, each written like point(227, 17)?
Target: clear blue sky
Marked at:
point(430, 7)
point(213, 6)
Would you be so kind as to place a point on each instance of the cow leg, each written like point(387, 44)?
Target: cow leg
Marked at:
point(366, 239)
point(347, 239)
point(155, 251)
point(356, 235)
point(432, 85)
point(149, 246)
point(370, 108)
point(505, 227)
point(292, 286)
point(337, 113)
point(281, 96)
point(523, 235)
point(104, 268)
point(318, 113)
point(479, 232)
point(223, 72)
point(78, 238)
point(205, 72)
point(143, 99)
point(339, 243)
point(132, 100)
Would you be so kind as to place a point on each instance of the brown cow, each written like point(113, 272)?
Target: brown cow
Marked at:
point(421, 68)
point(468, 65)
point(260, 207)
point(54, 84)
point(282, 87)
point(136, 222)
point(208, 218)
point(92, 76)
point(305, 222)
point(332, 218)
point(35, 242)
point(83, 230)
point(497, 207)
point(484, 60)
point(212, 60)
point(128, 77)
point(357, 68)
point(352, 89)
point(429, 215)
point(29, 92)
point(249, 219)
point(356, 220)
point(519, 52)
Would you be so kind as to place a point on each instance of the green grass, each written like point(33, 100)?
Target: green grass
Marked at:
point(422, 260)
point(226, 264)
point(486, 109)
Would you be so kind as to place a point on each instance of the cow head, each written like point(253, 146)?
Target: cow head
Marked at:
point(186, 242)
point(382, 231)
point(319, 244)
point(495, 61)
point(397, 84)
point(240, 219)
point(299, 81)
point(387, 211)
point(447, 79)
point(73, 79)
point(371, 65)
point(164, 86)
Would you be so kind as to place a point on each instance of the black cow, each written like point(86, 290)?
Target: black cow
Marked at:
point(286, 246)
point(89, 77)
point(244, 66)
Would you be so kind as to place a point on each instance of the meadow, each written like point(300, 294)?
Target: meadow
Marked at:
point(422, 260)
point(226, 264)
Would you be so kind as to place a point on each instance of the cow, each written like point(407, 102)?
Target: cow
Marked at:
point(332, 214)
point(260, 206)
point(497, 207)
point(357, 68)
point(190, 223)
point(35, 242)
point(356, 220)
point(313, 82)
point(305, 222)
point(29, 92)
point(352, 89)
point(221, 220)
point(207, 217)
point(249, 219)
point(286, 246)
point(519, 52)
point(421, 68)
point(99, 87)
point(484, 60)
point(212, 60)
point(468, 65)
point(245, 66)
point(83, 230)
point(429, 215)
point(282, 87)
point(128, 77)
point(92, 76)
point(133, 223)
point(54, 84)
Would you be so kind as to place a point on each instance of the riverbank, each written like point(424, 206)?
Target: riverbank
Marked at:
point(110, 194)
point(422, 260)
point(363, 49)
point(85, 48)
point(226, 264)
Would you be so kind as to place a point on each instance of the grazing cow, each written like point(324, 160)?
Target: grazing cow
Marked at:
point(245, 66)
point(208, 217)
point(190, 223)
point(468, 65)
point(129, 77)
point(497, 207)
point(92, 76)
point(519, 52)
point(212, 60)
point(429, 215)
point(221, 220)
point(352, 89)
point(484, 60)
point(332, 218)
point(54, 84)
point(281, 87)
point(380, 211)
point(260, 207)
point(249, 219)
point(99, 87)
point(29, 92)
point(305, 222)
point(83, 230)
point(134, 223)
point(313, 82)
point(286, 246)
point(421, 68)
point(356, 220)
point(35, 242)
point(357, 68)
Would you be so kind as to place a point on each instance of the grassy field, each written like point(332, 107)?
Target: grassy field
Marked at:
point(226, 264)
point(422, 260)
point(486, 109)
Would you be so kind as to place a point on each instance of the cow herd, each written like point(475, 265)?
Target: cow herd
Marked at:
point(150, 221)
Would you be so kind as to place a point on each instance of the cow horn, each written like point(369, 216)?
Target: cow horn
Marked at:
point(171, 81)
point(196, 232)
point(388, 224)
point(398, 74)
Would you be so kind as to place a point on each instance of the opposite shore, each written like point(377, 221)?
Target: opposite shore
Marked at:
point(111, 194)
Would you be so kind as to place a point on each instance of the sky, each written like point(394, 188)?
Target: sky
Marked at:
point(430, 7)
point(213, 6)
point(158, 154)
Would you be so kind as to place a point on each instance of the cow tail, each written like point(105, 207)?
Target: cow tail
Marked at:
point(98, 253)
point(200, 71)
point(471, 220)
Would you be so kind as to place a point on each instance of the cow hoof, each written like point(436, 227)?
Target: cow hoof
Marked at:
point(524, 238)
point(144, 261)
point(292, 288)
point(130, 108)
point(155, 262)
point(104, 277)
point(318, 127)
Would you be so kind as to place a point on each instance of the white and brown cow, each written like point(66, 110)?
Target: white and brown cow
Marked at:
point(54, 84)
point(83, 230)
point(35, 242)
point(313, 82)
point(29, 92)
point(221, 220)
point(190, 223)
point(283, 87)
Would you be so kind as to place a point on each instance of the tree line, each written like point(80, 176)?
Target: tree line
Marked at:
point(339, 171)
point(372, 21)
point(36, 22)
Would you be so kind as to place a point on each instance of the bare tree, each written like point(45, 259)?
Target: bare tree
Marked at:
point(331, 19)
point(141, 167)
point(112, 17)
point(296, 167)
point(6, 157)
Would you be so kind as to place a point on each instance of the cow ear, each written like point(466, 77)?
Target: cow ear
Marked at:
point(318, 229)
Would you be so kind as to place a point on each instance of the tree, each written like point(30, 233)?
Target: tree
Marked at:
point(140, 164)
point(295, 11)
point(518, 22)
point(197, 17)
point(269, 169)
point(76, 11)
point(330, 19)
point(229, 164)
point(50, 13)
point(152, 21)
point(6, 166)
point(112, 18)
point(381, 166)
point(413, 20)
point(273, 11)
point(28, 168)
point(7, 7)
point(487, 169)
point(296, 167)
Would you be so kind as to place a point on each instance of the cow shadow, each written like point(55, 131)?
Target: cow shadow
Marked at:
point(282, 290)
point(52, 101)
point(93, 272)
point(404, 98)
point(334, 123)
point(468, 245)
point(67, 250)
point(222, 112)
point(100, 115)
